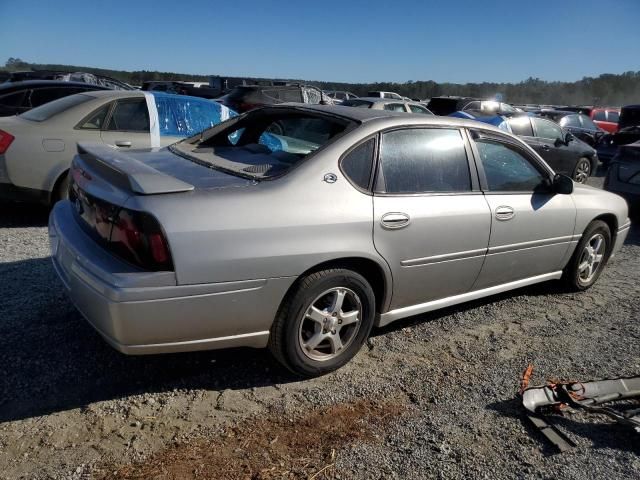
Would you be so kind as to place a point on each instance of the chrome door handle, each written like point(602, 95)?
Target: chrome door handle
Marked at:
point(505, 212)
point(123, 143)
point(395, 220)
point(546, 148)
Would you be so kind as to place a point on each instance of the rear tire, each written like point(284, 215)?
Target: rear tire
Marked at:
point(589, 258)
point(323, 322)
point(582, 172)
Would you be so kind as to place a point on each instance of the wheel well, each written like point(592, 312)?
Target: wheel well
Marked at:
point(56, 186)
point(369, 269)
point(611, 221)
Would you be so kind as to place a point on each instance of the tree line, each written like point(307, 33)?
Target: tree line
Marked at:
point(606, 89)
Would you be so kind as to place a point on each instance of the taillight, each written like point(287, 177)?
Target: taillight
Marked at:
point(138, 238)
point(5, 140)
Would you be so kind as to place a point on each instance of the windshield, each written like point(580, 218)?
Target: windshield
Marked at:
point(51, 109)
point(264, 143)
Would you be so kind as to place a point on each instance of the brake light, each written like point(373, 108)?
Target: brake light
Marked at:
point(138, 238)
point(5, 140)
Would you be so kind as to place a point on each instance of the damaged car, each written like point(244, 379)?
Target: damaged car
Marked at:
point(301, 227)
point(36, 147)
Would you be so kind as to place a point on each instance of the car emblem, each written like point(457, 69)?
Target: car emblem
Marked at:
point(330, 178)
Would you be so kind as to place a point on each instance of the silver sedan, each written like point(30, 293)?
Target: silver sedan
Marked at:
point(302, 227)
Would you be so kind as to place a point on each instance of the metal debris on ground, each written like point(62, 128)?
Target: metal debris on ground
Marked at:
point(591, 397)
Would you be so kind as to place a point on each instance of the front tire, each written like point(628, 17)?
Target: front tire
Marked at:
point(582, 172)
point(589, 258)
point(323, 322)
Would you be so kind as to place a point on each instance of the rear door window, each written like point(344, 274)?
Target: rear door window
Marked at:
point(547, 129)
point(521, 126)
point(395, 107)
point(130, 116)
point(570, 121)
point(419, 109)
point(357, 164)
point(600, 116)
point(96, 120)
point(423, 160)
point(588, 123)
point(613, 117)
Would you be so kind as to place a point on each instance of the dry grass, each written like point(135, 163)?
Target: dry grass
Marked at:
point(268, 448)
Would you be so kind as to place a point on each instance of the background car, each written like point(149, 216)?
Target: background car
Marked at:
point(378, 94)
point(559, 148)
point(389, 104)
point(82, 77)
point(194, 89)
point(20, 97)
point(36, 147)
point(606, 118)
point(578, 124)
point(302, 240)
point(340, 95)
point(247, 97)
point(623, 175)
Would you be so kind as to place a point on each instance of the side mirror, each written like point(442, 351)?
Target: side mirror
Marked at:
point(562, 184)
point(568, 137)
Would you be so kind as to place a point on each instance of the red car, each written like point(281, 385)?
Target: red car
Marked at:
point(606, 118)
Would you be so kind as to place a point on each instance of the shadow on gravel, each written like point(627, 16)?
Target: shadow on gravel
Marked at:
point(14, 214)
point(547, 288)
point(52, 360)
point(602, 435)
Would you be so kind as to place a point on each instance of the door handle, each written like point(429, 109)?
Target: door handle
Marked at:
point(505, 212)
point(546, 148)
point(123, 143)
point(394, 220)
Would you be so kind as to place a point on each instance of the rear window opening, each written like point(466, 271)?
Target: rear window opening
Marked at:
point(265, 143)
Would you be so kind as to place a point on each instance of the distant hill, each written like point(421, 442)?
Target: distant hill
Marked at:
point(606, 89)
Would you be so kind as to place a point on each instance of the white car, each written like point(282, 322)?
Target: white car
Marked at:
point(36, 147)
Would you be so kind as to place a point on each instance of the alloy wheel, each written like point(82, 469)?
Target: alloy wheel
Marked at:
point(330, 324)
point(583, 170)
point(591, 258)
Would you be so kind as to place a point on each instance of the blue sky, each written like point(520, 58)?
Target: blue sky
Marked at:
point(448, 40)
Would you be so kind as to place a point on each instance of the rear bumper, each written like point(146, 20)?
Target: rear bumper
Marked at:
point(141, 312)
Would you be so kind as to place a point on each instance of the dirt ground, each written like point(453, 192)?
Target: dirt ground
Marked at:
point(433, 396)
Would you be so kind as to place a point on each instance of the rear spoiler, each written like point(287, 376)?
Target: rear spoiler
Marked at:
point(128, 172)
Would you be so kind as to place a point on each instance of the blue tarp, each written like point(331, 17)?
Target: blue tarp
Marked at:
point(183, 115)
point(495, 120)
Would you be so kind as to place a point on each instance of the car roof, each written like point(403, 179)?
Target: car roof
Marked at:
point(114, 93)
point(7, 86)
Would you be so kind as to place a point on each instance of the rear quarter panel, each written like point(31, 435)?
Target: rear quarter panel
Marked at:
point(592, 203)
point(269, 229)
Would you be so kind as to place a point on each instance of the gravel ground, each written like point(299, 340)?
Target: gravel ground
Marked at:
point(438, 389)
